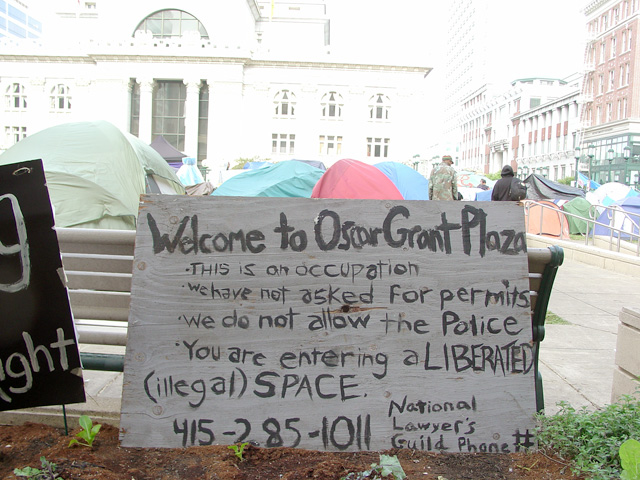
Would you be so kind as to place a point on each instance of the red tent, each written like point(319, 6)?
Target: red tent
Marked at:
point(349, 178)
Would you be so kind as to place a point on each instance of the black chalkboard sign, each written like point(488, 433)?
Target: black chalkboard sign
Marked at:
point(39, 357)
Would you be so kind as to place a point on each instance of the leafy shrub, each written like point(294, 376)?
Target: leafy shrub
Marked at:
point(591, 440)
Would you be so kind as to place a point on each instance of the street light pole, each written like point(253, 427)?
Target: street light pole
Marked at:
point(610, 154)
point(576, 154)
point(590, 149)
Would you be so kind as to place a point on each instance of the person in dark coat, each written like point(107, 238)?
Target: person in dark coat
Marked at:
point(503, 186)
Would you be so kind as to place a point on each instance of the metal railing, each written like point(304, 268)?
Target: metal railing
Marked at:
point(627, 230)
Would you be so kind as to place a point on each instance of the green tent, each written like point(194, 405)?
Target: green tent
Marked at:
point(95, 173)
point(578, 206)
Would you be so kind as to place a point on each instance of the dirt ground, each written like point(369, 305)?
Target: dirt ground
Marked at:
point(23, 445)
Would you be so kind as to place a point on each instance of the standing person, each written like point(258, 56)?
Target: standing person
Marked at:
point(483, 184)
point(508, 188)
point(443, 183)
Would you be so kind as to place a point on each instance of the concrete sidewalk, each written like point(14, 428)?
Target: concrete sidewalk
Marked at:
point(576, 360)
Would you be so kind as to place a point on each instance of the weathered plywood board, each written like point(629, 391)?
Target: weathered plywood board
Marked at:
point(329, 325)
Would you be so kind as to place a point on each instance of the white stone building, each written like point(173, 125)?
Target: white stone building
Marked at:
point(220, 81)
point(530, 126)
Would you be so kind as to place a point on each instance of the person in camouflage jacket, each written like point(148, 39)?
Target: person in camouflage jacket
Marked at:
point(443, 183)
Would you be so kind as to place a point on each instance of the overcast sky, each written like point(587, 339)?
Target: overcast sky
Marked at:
point(542, 38)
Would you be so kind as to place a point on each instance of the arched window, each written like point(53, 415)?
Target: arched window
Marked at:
point(332, 104)
point(171, 23)
point(379, 106)
point(60, 98)
point(15, 97)
point(285, 104)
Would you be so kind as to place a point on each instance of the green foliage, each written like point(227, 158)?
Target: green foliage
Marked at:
point(630, 460)
point(239, 449)
point(494, 176)
point(388, 466)
point(566, 180)
point(239, 163)
point(46, 473)
point(592, 440)
point(88, 433)
point(553, 319)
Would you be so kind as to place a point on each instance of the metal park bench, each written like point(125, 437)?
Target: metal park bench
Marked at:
point(99, 263)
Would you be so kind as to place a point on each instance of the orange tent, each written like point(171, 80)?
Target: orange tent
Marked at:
point(547, 220)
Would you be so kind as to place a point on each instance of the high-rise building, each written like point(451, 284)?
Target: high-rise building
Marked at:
point(18, 21)
point(610, 137)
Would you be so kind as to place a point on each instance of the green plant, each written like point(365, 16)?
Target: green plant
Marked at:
point(239, 450)
point(591, 440)
point(494, 175)
point(553, 319)
point(630, 460)
point(46, 473)
point(388, 466)
point(566, 180)
point(88, 433)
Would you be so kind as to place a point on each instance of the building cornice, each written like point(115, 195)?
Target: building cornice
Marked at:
point(93, 59)
point(594, 5)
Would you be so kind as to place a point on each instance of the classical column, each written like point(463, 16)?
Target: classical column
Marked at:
point(192, 104)
point(146, 109)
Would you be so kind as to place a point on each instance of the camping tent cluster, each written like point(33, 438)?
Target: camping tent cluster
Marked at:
point(556, 210)
point(95, 173)
point(347, 178)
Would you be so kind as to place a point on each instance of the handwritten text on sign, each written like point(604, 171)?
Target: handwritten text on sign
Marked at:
point(329, 324)
point(39, 357)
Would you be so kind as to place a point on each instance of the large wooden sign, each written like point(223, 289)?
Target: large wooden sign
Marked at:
point(329, 325)
point(39, 358)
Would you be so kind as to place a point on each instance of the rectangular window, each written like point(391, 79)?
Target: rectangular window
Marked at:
point(603, 47)
point(35, 25)
point(17, 30)
point(621, 75)
point(601, 83)
point(626, 78)
point(330, 144)
point(17, 15)
point(613, 47)
point(168, 112)
point(612, 82)
point(283, 143)
point(609, 112)
point(377, 147)
point(14, 134)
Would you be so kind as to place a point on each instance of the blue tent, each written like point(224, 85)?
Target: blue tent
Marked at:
point(283, 179)
point(410, 183)
point(484, 195)
point(627, 220)
point(254, 165)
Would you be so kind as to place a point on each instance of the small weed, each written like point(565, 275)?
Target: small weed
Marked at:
point(630, 460)
point(553, 319)
point(239, 450)
point(88, 433)
point(592, 440)
point(46, 473)
point(388, 466)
